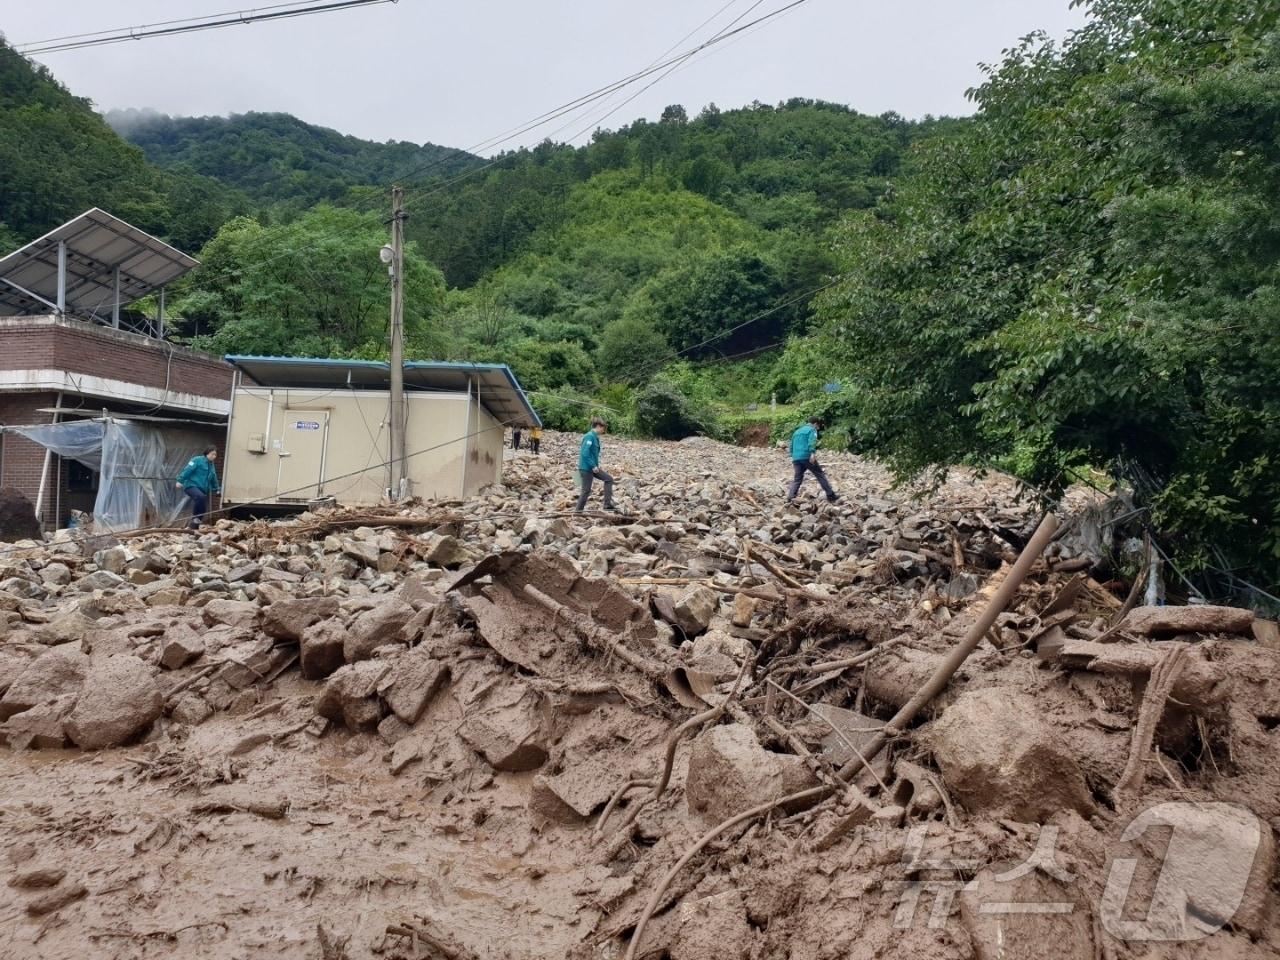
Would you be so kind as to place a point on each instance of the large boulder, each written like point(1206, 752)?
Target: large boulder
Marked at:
point(415, 679)
point(350, 696)
point(512, 738)
point(999, 757)
point(230, 613)
point(447, 551)
point(42, 727)
point(17, 516)
point(120, 699)
point(69, 626)
point(60, 671)
point(1194, 867)
point(375, 628)
point(321, 648)
point(287, 619)
point(180, 646)
point(729, 772)
point(694, 609)
point(99, 580)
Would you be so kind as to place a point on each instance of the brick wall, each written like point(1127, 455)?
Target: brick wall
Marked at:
point(84, 348)
point(21, 460)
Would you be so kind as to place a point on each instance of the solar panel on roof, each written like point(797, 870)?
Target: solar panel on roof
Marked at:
point(97, 244)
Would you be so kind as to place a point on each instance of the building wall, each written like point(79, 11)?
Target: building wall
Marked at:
point(484, 450)
point(21, 460)
point(81, 356)
point(442, 461)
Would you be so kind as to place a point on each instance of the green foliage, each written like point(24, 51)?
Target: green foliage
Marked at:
point(566, 409)
point(313, 287)
point(276, 157)
point(548, 365)
point(631, 350)
point(664, 412)
point(1090, 274)
point(797, 165)
point(58, 158)
point(718, 296)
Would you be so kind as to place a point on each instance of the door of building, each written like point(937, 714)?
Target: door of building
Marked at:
point(303, 436)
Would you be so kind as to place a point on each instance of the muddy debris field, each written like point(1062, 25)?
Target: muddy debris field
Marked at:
point(908, 724)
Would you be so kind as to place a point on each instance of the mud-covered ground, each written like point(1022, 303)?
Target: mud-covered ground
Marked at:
point(473, 764)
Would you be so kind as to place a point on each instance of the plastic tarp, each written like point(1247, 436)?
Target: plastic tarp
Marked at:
point(137, 465)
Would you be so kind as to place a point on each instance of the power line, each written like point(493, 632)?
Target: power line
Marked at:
point(158, 23)
point(191, 25)
point(586, 99)
point(540, 120)
point(658, 79)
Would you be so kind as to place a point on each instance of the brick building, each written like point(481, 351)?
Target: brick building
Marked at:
point(65, 353)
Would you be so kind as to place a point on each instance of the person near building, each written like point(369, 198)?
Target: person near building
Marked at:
point(535, 440)
point(515, 438)
point(589, 467)
point(199, 479)
point(804, 444)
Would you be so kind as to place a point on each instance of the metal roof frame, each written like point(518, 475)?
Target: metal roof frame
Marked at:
point(499, 390)
point(90, 262)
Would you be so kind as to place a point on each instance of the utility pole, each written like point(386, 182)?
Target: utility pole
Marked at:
point(399, 421)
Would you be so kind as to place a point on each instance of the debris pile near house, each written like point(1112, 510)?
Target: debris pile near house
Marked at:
point(710, 727)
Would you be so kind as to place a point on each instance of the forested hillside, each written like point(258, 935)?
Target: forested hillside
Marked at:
point(1088, 276)
point(561, 260)
point(275, 158)
point(58, 157)
point(1080, 282)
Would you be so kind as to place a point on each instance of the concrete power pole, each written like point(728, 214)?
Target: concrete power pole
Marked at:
point(399, 477)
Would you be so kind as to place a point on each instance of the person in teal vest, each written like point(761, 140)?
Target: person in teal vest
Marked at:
point(199, 479)
point(589, 467)
point(804, 443)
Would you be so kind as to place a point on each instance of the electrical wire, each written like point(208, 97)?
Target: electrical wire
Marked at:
point(585, 100)
point(191, 25)
point(540, 120)
point(658, 79)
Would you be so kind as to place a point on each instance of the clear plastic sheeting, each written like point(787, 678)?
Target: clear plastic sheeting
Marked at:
point(137, 465)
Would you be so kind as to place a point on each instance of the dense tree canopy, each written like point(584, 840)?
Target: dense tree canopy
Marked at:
point(58, 158)
point(1089, 275)
point(312, 287)
point(277, 158)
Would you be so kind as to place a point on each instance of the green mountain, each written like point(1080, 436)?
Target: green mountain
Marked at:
point(58, 158)
point(277, 158)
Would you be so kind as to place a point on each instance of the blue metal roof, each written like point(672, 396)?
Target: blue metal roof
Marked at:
point(499, 390)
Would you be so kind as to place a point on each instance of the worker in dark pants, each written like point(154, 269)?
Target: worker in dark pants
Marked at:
point(199, 479)
point(515, 438)
point(589, 467)
point(535, 440)
point(804, 443)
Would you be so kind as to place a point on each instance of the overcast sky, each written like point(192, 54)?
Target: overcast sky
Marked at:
point(459, 73)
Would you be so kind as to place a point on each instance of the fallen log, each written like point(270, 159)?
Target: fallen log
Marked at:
point(946, 670)
point(1199, 684)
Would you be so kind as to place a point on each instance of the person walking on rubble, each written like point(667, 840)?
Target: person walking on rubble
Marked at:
point(535, 440)
point(199, 479)
point(804, 443)
point(589, 467)
point(515, 437)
